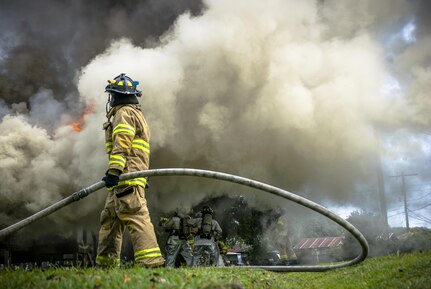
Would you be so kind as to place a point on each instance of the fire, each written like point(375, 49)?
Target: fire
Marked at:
point(79, 124)
point(76, 126)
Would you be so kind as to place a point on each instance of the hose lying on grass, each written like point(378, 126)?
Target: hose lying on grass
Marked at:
point(219, 176)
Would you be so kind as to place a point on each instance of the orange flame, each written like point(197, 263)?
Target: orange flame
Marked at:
point(79, 124)
point(76, 126)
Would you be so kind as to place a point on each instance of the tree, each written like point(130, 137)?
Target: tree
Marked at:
point(372, 227)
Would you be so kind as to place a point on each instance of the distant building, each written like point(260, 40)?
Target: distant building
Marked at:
point(237, 255)
point(322, 249)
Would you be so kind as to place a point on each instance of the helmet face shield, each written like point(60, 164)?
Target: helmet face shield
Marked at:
point(122, 84)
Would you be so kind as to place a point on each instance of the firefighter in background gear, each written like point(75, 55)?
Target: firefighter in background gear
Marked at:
point(206, 252)
point(222, 248)
point(287, 255)
point(127, 144)
point(194, 229)
point(179, 232)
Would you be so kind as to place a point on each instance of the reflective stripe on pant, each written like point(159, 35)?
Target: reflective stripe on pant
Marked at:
point(286, 249)
point(147, 254)
point(130, 210)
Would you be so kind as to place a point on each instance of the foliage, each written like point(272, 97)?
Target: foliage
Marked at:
point(382, 240)
point(414, 240)
point(242, 224)
point(245, 226)
point(398, 271)
point(371, 226)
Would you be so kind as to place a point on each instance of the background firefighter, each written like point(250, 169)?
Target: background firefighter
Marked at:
point(127, 144)
point(206, 251)
point(282, 242)
point(177, 244)
point(222, 248)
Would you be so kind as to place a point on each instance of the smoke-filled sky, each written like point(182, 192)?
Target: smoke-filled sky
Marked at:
point(304, 95)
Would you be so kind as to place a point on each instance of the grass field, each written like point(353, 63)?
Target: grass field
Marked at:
point(404, 271)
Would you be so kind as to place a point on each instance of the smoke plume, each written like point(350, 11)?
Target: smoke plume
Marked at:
point(291, 93)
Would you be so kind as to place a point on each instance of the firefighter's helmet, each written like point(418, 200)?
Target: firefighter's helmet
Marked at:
point(123, 84)
point(207, 210)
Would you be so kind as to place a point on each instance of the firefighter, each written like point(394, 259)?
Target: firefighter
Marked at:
point(127, 144)
point(206, 252)
point(287, 255)
point(177, 244)
point(222, 248)
point(194, 230)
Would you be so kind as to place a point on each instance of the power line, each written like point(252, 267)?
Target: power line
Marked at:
point(424, 206)
point(420, 198)
point(411, 210)
point(429, 222)
point(421, 217)
point(420, 185)
point(420, 220)
point(414, 200)
point(397, 214)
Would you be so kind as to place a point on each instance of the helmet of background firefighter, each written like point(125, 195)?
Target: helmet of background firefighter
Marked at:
point(122, 90)
point(207, 210)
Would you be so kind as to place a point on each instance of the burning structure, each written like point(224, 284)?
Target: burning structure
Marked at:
point(291, 93)
point(323, 249)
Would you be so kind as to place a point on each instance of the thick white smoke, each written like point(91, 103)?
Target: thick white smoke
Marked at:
point(262, 90)
point(38, 169)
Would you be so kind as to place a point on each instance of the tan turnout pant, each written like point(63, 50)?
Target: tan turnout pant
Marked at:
point(127, 209)
point(286, 249)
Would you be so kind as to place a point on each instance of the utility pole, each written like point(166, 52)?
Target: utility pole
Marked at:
point(381, 182)
point(381, 186)
point(404, 193)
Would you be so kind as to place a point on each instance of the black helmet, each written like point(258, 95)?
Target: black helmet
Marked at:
point(123, 84)
point(207, 210)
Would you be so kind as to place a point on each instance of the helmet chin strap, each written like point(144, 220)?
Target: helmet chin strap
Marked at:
point(108, 103)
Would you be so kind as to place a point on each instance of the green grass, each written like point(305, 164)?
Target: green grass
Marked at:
point(404, 271)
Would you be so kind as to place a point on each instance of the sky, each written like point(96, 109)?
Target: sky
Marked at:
point(310, 96)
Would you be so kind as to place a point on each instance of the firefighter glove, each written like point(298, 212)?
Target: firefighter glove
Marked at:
point(110, 180)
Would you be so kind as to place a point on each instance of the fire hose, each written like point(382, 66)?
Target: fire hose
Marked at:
point(76, 196)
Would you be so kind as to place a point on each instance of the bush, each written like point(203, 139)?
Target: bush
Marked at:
point(382, 240)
